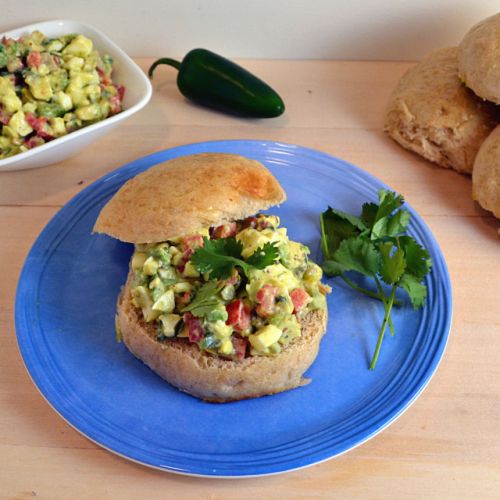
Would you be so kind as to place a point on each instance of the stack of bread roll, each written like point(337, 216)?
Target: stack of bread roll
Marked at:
point(446, 109)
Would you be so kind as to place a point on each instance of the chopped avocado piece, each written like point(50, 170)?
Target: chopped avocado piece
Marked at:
point(265, 337)
point(161, 252)
point(226, 348)
point(168, 323)
point(150, 266)
point(50, 109)
point(138, 260)
point(58, 126)
point(80, 46)
point(64, 100)
point(166, 302)
point(228, 292)
point(88, 113)
point(182, 287)
point(8, 97)
point(217, 314)
point(290, 327)
point(220, 330)
point(39, 86)
point(29, 107)
point(142, 299)
point(19, 124)
point(190, 271)
point(209, 342)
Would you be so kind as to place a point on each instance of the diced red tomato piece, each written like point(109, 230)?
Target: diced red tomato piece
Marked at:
point(33, 142)
point(266, 297)
point(115, 105)
point(256, 222)
point(238, 315)
point(192, 241)
point(240, 347)
point(103, 77)
point(196, 331)
point(235, 277)
point(121, 91)
point(189, 244)
point(183, 300)
point(250, 222)
point(40, 125)
point(224, 231)
point(300, 298)
point(34, 59)
point(4, 116)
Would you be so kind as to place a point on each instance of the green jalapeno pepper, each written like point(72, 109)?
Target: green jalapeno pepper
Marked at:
point(212, 80)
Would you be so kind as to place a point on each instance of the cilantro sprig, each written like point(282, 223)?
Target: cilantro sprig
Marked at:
point(205, 299)
point(218, 257)
point(375, 244)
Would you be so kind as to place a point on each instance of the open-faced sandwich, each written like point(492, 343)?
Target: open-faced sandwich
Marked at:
point(218, 301)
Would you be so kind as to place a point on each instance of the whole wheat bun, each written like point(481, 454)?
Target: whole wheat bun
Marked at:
point(479, 59)
point(434, 115)
point(486, 174)
point(214, 379)
point(186, 194)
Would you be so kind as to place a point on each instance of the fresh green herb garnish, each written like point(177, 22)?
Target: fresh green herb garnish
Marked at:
point(375, 245)
point(218, 257)
point(205, 300)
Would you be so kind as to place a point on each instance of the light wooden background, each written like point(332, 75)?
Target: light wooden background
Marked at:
point(269, 29)
point(446, 446)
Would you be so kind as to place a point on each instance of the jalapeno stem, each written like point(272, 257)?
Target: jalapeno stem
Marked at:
point(164, 60)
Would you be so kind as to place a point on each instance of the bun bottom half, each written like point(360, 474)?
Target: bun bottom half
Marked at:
point(215, 379)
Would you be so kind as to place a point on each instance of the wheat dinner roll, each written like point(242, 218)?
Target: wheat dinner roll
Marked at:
point(214, 379)
point(182, 195)
point(432, 114)
point(479, 59)
point(486, 174)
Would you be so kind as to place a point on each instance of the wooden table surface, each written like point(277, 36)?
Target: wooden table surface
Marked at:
point(447, 445)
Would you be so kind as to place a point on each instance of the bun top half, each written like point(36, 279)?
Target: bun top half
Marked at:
point(187, 194)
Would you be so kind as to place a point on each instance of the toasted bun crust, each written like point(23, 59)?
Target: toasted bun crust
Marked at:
point(479, 56)
point(187, 194)
point(486, 174)
point(215, 379)
point(432, 114)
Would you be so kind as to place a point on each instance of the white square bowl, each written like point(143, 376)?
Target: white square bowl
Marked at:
point(125, 72)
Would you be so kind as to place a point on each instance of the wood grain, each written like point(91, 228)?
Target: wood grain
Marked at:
point(447, 445)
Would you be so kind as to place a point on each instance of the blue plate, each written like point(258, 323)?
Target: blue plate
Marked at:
point(65, 309)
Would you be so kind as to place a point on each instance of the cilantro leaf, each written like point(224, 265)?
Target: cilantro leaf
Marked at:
point(218, 257)
point(388, 202)
point(418, 260)
point(336, 228)
point(264, 256)
point(417, 292)
point(391, 225)
point(358, 254)
point(333, 268)
point(369, 214)
point(392, 263)
point(205, 300)
point(353, 220)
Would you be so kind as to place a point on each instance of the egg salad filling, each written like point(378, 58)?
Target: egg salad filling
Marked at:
point(253, 312)
point(50, 87)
